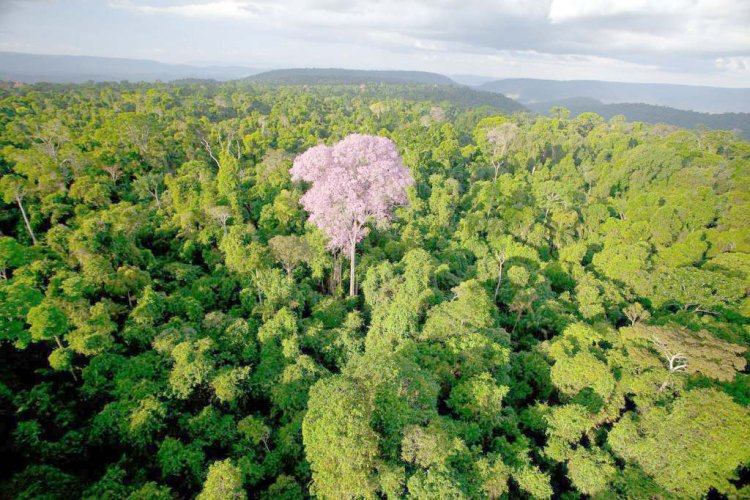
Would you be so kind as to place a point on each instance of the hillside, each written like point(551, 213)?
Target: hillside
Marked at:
point(456, 95)
point(686, 97)
point(739, 122)
point(310, 76)
point(31, 68)
point(409, 85)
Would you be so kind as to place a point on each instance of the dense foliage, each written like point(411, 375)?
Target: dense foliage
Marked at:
point(561, 308)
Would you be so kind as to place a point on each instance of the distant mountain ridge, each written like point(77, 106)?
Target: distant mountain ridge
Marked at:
point(388, 85)
point(313, 76)
point(686, 97)
point(739, 122)
point(679, 105)
point(33, 68)
point(638, 112)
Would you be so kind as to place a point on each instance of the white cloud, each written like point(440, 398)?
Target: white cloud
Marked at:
point(717, 27)
point(734, 64)
point(229, 9)
point(701, 41)
point(567, 10)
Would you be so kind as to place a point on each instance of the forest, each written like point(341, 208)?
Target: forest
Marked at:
point(357, 291)
point(736, 122)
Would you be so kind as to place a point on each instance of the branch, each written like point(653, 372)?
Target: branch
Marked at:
point(678, 358)
point(210, 153)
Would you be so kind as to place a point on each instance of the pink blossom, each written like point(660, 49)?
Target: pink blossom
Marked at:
point(357, 180)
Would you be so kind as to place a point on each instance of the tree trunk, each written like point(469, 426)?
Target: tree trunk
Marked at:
point(335, 279)
point(72, 370)
point(331, 282)
point(518, 318)
point(156, 197)
point(257, 286)
point(26, 219)
point(499, 278)
point(352, 257)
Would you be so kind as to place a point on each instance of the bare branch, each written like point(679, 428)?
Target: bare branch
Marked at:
point(210, 152)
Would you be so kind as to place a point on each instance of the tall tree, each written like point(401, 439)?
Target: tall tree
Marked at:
point(496, 136)
point(359, 179)
point(224, 482)
point(13, 188)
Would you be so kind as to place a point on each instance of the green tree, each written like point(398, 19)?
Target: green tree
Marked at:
point(695, 445)
point(339, 443)
point(14, 189)
point(290, 251)
point(224, 481)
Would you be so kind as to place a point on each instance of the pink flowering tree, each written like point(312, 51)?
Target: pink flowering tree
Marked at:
point(356, 181)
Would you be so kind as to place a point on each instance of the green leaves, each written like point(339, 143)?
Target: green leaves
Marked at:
point(398, 300)
point(93, 334)
point(192, 367)
point(16, 298)
point(570, 374)
point(47, 321)
point(696, 445)
point(224, 481)
point(705, 354)
point(560, 310)
point(227, 384)
point(339, 443)
point(590, 472)
point(470, 310)
point(479, 397)
point(149, 309)
point(179, 460)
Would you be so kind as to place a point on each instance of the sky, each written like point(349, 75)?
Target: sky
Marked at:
point(701, 42)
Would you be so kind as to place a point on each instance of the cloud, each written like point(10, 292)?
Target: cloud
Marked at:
point(6, 46)
point(734, 64)
point(606, 39)
point(227, 9)
point(7, 6)
point(629, 28)
point(567, 10)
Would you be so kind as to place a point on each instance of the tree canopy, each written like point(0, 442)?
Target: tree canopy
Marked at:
point(548, 306)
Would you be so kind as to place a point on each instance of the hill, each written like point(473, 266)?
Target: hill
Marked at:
point(312, 76)
point(739, 122)
point(456, 95)
point(409, 85)
point(686, 97)
point(32, 68)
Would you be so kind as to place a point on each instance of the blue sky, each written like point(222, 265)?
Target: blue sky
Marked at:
point(674, 41)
